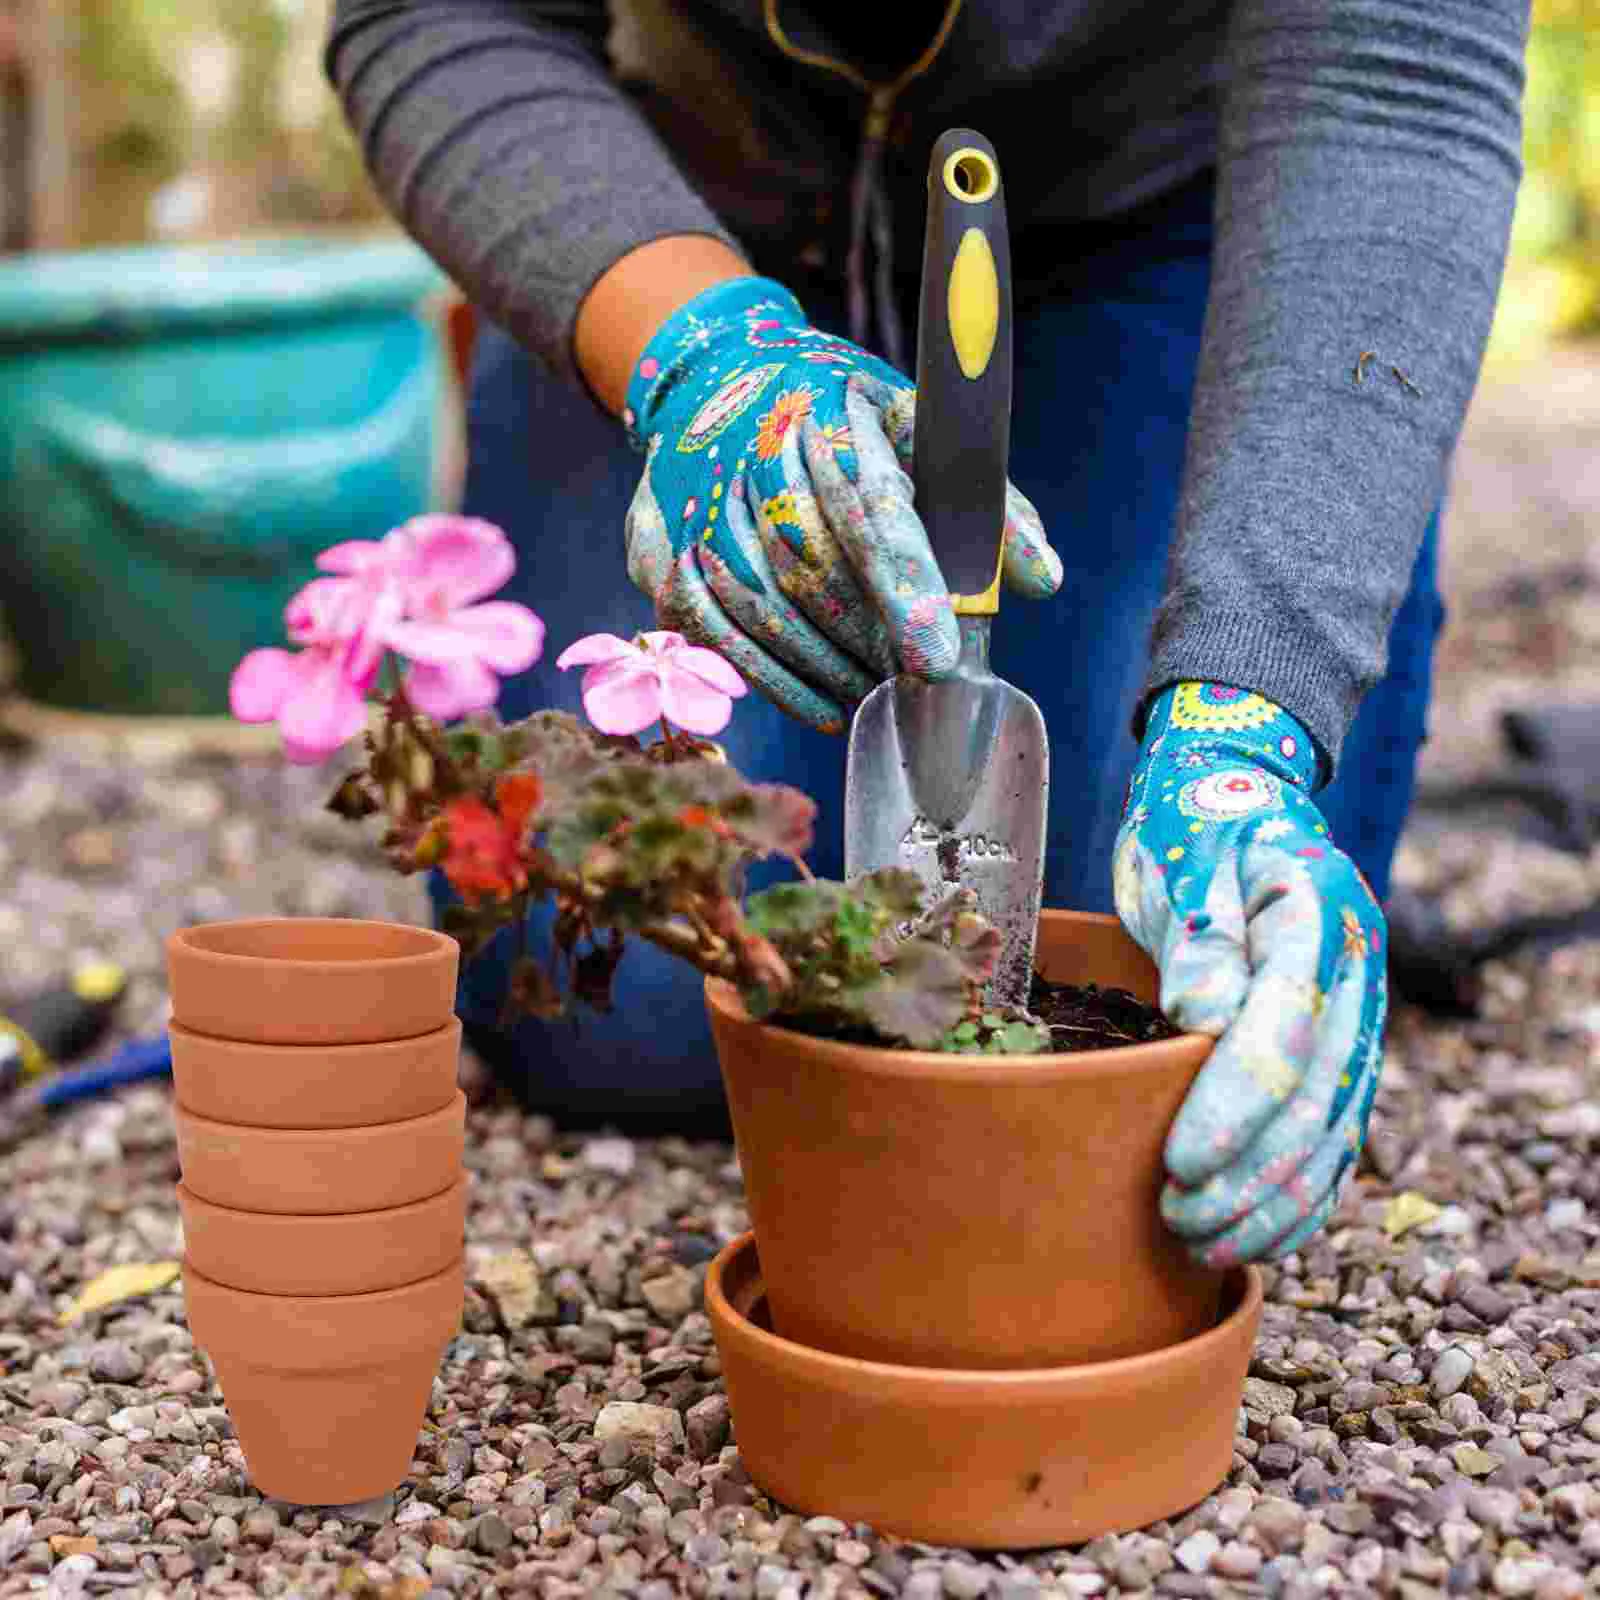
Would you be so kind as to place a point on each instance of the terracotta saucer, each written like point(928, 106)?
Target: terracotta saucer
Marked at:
point(1005, 1460)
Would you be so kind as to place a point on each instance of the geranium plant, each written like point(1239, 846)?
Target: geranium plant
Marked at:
point(629, 835)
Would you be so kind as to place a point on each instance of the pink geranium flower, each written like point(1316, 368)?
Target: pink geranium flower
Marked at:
point(412, 592)
point(317, 696)
point(309, 694)
point(444, 566)
point(660, 675)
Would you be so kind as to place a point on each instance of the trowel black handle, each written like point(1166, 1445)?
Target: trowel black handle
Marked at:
point(961, 442)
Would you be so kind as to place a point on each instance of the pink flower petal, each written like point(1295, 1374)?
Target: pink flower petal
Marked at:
point(384, 608)
point(660, 641)
point(501, 634)
point(352, 556)
point(594, 648)
point(323, 708)
point(692, 703)
point(312, 616)
point(458, 560)
point(708, 666)
point(622, 696)
point(260, 684)
point(450, 689)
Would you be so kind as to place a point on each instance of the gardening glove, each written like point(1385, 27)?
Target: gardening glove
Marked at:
point(1269, 939)
point(774, 521)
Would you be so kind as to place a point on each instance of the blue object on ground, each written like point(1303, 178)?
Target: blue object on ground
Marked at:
point(181, 430)
point(131, 1063)
point(1104, 371)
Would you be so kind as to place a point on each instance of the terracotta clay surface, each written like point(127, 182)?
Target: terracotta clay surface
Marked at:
point(969, 1211)
point(311, 980)
point(351, 1253)
point(298, 1171)
point(315, 1086)
point(326, 1394)
point(982, 1459)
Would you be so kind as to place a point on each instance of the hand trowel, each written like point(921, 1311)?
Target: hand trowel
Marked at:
point(950, 779)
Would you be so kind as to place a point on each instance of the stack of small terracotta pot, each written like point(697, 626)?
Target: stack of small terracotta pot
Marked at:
point(320, 1134)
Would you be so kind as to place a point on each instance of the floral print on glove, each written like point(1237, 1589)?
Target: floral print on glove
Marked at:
point(1268, 938)
point(774, 521)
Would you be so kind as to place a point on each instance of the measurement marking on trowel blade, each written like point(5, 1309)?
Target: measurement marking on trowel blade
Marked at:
point(923, 835)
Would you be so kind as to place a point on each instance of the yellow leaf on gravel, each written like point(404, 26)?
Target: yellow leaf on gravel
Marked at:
point(1407, 1211)
point(126, 1282)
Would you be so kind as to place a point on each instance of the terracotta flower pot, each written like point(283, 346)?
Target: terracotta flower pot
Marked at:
point(984, 1459)
point(967, 1211)
point(317, 1171)
point(311, 980)
point(315, 1086)
point(326, 1393)
point(354, 1253)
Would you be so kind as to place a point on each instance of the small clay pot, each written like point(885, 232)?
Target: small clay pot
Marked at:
point(318, 1171)
point(327, 1392)
point(982, 1459)
point(969, 1211)
point(311, 980)
point(355, 1252)
point(315, 1086)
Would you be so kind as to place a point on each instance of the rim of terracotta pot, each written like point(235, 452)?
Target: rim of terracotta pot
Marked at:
point(888, 1061)
point(313, 1332)
point(411, 947)
point(329, 1219)
point(369, 1132)
point(1084, 1374)
point(348, 1080)
point(317, 1253)
point(278, 1169)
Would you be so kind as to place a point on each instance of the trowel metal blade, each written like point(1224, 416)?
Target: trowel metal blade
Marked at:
point(951, 780)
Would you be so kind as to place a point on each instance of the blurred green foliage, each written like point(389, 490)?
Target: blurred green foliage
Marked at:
point(138, 128)
point(1552, 285)
point(139, 134)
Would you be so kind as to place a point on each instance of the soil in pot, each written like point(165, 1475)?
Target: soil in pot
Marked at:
point(1087, 1017)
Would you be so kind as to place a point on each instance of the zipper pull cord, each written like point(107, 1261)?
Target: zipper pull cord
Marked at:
point(870, 212)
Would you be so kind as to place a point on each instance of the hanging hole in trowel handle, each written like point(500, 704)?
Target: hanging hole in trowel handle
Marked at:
point(971, 176)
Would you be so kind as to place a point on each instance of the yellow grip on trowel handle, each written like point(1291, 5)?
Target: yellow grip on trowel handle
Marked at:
point(962, 440)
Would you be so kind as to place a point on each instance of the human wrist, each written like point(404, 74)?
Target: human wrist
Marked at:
point(632, 299)
point(720, 313)
point(1241, 722)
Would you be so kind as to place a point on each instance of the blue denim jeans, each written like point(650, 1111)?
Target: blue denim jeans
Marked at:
point(1105, 364)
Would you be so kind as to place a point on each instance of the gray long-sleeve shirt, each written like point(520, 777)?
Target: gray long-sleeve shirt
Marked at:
point(1367, 154)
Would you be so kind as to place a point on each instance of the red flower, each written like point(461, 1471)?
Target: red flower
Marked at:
point(518, 797)
point(484, 855)
point(701, 817)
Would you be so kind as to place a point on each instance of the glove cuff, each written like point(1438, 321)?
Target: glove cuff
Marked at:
point(702, 328)
point(1244, 723)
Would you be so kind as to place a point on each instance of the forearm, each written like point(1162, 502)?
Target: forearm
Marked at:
point(634, 297)
point(1367, 175)
point(499, 141)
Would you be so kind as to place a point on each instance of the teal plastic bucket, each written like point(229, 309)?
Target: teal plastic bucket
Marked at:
point(181, 430)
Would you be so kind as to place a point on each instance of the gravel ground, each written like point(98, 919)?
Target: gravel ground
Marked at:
point(1423, 1416)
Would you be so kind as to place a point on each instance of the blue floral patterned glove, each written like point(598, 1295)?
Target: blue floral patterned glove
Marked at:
point(1269, 939)
point(774, 521)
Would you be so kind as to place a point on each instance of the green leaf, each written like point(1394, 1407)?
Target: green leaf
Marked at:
point(920, 997)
